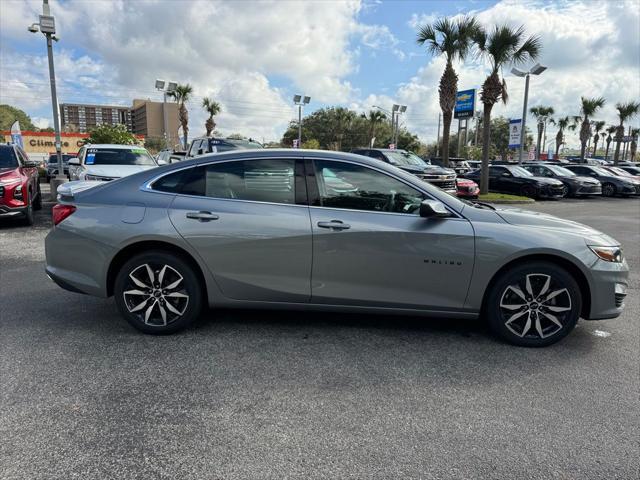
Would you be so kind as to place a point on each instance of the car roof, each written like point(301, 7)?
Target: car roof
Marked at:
point(113, 146)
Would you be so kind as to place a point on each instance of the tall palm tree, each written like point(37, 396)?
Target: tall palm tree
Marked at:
point(453, 40)
point(597, 128)
point(182, 94)
point(588, 109)
point(374, 117)
point(625, 112)
point(610, 130)
point(502, 46)
point(213, 108)
point(542, 115)
point(634, 143)
point(563, 123)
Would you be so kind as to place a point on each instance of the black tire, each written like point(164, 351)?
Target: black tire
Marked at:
point(608, 189)
point(528, 191)
point(37, 200)
point(566, 191)
point(554, 317)
point(28, 218)
point(185, 311)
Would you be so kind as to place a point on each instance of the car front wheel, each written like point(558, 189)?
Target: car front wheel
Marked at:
point(158, 292)
point(534, 305)
point(608, 190)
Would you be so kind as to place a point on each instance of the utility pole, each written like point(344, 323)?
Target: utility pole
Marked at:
point(47, 26)
point(523, 132)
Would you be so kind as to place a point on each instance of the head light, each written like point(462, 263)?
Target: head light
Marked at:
point(608, 254)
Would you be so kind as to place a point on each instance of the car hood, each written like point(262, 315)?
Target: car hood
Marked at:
point(516, 216)
point(583, 180)
point(8, 174)
point(115, 171)
point(546, 181)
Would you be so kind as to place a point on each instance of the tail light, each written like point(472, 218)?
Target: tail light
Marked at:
point(60, 212)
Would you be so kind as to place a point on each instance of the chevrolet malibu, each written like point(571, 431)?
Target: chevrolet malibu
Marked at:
point(291, 229)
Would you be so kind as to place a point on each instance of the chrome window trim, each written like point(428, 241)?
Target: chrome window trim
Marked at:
point(147, 186)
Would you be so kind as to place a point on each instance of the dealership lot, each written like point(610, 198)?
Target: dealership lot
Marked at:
point(246, 394)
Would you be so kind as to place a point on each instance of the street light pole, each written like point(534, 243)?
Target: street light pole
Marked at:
point(537, 69)
point(300, 101)
point(438, 140)
point(47, 26)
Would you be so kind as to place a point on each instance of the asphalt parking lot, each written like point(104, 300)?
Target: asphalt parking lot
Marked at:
point(254, 395)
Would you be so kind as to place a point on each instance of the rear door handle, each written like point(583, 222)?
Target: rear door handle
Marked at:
point(334, 225)
point(202, 216)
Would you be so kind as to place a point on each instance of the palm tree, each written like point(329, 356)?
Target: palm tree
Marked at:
point(213, 108)
point(634, 143)
point(563, 123)
point(625, 112)
point(181, 95)
point(597, 128)
point(610, 130)
point(374, 117)
point(589, 107)
point(543, 115)
point(501, 46)
point(453, 40)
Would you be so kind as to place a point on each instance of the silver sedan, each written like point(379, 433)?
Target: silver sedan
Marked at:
point(303, 229)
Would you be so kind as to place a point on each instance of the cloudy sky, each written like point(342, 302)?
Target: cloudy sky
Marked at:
point(253, 56)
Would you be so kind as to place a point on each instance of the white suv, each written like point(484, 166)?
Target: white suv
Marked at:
point(106, 162)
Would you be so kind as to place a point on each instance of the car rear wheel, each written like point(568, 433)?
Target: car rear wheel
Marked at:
point(528, 191)
point(158, 292)
point(534, 305)
point(608, 189)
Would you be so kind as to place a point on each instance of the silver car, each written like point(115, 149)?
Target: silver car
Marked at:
point(304, 229)
point(106, 162)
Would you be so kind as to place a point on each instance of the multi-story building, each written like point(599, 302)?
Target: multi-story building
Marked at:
point(78, 117)
point(148, 119)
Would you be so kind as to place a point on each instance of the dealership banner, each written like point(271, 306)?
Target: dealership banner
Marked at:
point(515, 129)
point(16, 134)
point(465, 104)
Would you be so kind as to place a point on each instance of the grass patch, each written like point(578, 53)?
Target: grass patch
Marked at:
point(500, 196)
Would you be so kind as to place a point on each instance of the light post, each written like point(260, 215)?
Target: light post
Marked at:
point(537, 69)
point(47, 26)
point(300, 101)
point(396, 111)
point(170, 87)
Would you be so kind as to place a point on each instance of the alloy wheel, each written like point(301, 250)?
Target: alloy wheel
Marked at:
point(537, 306)
point(565, 191)
point(608, 190)
point(156, 294)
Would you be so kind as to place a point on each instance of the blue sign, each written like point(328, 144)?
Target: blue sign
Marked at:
point(465, 104)
point(515, 131)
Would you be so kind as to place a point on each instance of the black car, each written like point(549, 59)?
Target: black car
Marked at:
point(611, 184)
point(574, 185)
point(204, 145)
point(52, 165)
point(517, 180)
point(443, 178)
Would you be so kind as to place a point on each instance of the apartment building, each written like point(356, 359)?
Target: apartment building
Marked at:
point(77, 117)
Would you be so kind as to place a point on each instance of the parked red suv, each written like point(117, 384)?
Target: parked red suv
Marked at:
point(19, 184)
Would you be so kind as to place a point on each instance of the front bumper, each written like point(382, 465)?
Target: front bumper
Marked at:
point(588, 190)
point(550, 191)
point(6, 211)
point(609, 282)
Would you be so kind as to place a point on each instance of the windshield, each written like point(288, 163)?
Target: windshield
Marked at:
point(405, 158)
point(119, 156)
point(65, 158)
point(248, 144)
point(8, 158)
point(563, 172)
point(600, 171)
point(520, 172)
point(619, 171)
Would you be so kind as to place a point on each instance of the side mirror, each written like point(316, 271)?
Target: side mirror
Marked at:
point(506, 174)
point(74, 161)
point(31, 164)
point(433, 208)
point(162, 162)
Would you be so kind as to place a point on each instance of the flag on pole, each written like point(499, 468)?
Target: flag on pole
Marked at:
point(16, 134)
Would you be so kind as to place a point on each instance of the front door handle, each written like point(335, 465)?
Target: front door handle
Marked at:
point(334, 225)
point(202, 216)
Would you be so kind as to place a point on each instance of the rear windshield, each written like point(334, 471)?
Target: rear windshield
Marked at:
point(8, 158)
point(120, 156)
point(54, 158)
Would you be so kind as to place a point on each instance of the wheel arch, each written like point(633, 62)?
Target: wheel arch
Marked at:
point(568, 265)
point(144, 246)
